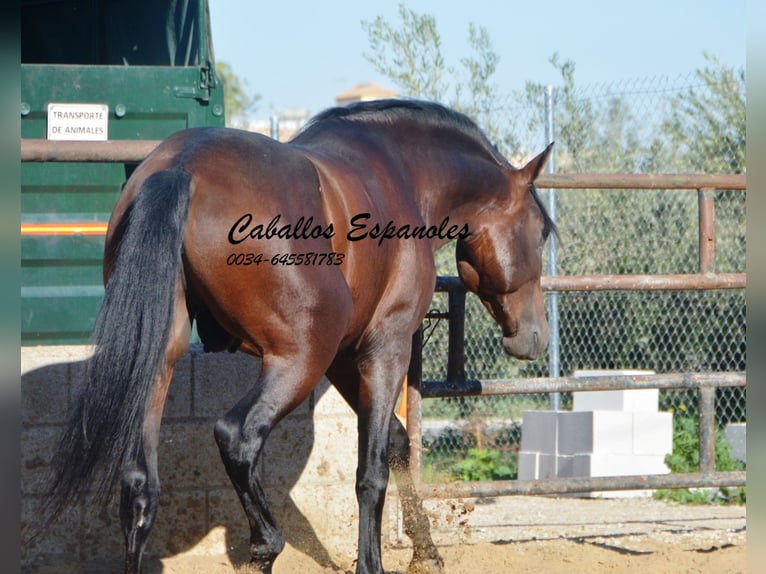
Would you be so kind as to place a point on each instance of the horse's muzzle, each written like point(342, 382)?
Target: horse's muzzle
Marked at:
point(528, 345)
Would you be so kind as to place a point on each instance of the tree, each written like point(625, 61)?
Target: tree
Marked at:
point(409, 56)
point(409, 53)
point(238, 103)
point(707, 122)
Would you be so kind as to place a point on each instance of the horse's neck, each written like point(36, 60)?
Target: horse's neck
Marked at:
point(456, 187)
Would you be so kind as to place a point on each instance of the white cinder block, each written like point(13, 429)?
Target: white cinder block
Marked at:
point(626, 465)
point(612, 432)
point(539, 432)
point(630, 400)
point(624, 400)
point(736, 434)
point(595, 431)
point(575, 433)
point(547, 466)
point(535, 466)
point(652, 433)
point(570, 466)
point(528, 469)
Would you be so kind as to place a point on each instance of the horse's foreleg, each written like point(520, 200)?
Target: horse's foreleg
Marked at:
point(425, 556)
point(345, 376)
point(379, 384)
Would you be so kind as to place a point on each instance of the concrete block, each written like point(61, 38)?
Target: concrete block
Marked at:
point(565, 466)
point(43, 356)
point(61, 538)
point(182, 522)
point(322, 522)
point(224, 512)
point(535, 466)
point(179, 400)
point(624, 400)
point(625, 464)
point(291, 454)
point(547, 466)
point(575, 432)
point(652, 433)
point(45, 394)
point(595, 431)
point(38, 444)
point(100, 534)
point(220, 380)
point(189, 457)
point(736, 434)
point(594, 465)
point(539, 432)
point(528, 465)
point(327, 402)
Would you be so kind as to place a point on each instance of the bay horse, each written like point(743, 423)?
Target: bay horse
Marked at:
point(317, 256)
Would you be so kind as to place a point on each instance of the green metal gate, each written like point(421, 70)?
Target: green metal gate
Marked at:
point(150, 63)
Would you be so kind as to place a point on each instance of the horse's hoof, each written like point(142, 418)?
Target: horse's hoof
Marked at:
point(256, 566)
point(426, 566)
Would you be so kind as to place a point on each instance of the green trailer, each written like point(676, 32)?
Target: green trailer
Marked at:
point(97, 70)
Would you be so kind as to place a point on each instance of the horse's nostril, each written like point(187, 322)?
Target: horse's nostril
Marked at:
point(535, 339)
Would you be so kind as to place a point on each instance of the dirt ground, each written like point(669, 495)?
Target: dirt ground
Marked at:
point(526, 535)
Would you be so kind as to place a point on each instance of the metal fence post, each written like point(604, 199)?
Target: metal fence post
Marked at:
point(553, 296)
point(706, 203)
point(707, 424)
point(456, 336)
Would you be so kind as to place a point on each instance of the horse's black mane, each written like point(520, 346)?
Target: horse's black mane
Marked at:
point(437, 115)
point(392, 110)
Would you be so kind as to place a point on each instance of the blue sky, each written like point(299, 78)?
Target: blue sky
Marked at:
point(300, 54)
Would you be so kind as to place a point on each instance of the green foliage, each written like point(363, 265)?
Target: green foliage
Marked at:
point(707, 126)
point(485, 464)
point(409, 53)
point(472, 453)
point(685, 459)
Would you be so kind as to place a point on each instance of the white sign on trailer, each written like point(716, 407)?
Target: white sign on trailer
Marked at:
point(84, 122)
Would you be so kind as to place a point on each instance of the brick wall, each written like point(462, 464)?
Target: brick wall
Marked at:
point(309, 465)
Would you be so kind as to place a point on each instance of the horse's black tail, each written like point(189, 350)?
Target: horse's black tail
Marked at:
point(130, 337)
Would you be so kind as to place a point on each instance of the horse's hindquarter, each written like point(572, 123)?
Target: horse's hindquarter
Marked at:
point(258, 208)
point(256, 202)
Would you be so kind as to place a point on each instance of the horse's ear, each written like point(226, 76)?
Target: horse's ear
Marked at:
point(534, 168)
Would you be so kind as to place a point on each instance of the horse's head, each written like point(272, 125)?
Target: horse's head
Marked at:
point(501, 261)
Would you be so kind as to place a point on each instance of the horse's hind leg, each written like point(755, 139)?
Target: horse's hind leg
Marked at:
point(284, 382)
point(140, 493)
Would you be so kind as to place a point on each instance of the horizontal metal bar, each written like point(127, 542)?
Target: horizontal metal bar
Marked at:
point(490, 387)
point(135, 150)
point(40, 150)
point(679, 282)
point(642, 181)
point(580, 485)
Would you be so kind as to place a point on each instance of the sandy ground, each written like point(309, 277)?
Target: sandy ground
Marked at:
point(524, 535)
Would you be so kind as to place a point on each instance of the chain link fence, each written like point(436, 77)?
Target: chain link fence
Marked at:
point(634, 127)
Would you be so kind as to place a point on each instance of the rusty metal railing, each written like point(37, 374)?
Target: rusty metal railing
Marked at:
point(705, 384)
